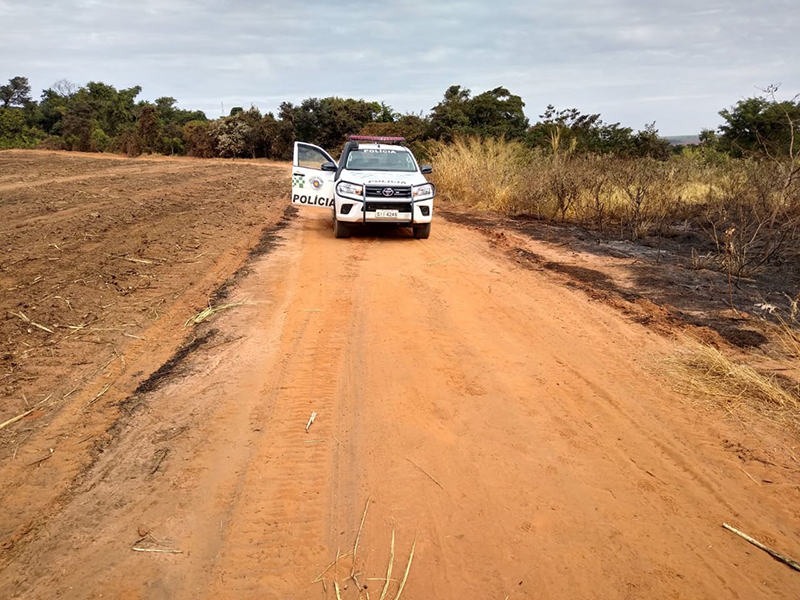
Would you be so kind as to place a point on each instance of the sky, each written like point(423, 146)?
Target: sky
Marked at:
point(675, 62)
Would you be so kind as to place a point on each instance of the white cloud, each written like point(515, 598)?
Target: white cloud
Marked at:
point(677, 62)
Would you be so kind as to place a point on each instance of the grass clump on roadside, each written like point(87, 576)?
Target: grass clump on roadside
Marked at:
point(487, 174)
point(790, 329)
point(707, 374)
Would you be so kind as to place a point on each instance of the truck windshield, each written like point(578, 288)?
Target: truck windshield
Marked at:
point(380, 160)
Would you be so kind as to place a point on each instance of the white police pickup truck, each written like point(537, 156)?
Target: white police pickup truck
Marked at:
point(376, 180)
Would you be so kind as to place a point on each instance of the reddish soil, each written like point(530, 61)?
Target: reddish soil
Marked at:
point(519, 432)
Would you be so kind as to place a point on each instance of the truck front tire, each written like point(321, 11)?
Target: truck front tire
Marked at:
point(340, 230)
point(422, 232)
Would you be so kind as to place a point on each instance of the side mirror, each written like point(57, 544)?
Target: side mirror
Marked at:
point(426, 169)
point(329, 166)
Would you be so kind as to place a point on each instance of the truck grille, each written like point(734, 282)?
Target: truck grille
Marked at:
point(376, 191)
point(403, 207)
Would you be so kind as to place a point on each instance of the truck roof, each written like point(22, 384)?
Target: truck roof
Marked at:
point(381, 147)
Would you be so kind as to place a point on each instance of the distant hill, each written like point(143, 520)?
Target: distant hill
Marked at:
point(683, 140)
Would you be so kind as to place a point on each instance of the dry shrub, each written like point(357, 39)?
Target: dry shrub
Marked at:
point(699, 261)
point(708, 374)
point(486, 174)
point(752, 214)
point(750, 210)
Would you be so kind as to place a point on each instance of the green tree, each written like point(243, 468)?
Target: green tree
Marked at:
point(99, 140)
point(647, 143)
point(449, 118)
point(327, 122)
point(708, 137)
point(77, 126)
point(387, 114)
point(569, 128)
point(495, 113)
point(148, 130)
point(15, 131)
point(17, 92)
point(760, 125)
point(413, 128)
point(197, 139)
point(498, 113)
point(51, 110)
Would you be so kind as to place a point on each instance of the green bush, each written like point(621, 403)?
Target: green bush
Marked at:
point(99, 140)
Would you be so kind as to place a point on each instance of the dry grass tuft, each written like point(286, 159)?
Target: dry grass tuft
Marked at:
point(209, 312)
point(708, 374)
point(484, 174)
point(790, 329)
point(790, 337)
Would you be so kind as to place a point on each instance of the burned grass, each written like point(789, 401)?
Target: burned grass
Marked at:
point(654, 286)
point(173, 365)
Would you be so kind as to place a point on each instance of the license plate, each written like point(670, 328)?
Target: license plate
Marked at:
point(387, 214)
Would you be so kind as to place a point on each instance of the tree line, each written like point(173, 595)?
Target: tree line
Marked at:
point(97, 117)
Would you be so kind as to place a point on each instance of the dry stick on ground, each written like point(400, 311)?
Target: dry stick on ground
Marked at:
point(358, 537)
point(41, 460)
point(13, 420)
point(326, 569)
point(22, 316)
point(408, 568)
point(99, 395)
point(774, 554)
point(161, 458)
point(336, 568)
point(311, 420)
point(210, 311)
point(336, 589)
point(389, 568)
point(750, 476)
point(426, 473)
point(163, 551)
point(142, 261)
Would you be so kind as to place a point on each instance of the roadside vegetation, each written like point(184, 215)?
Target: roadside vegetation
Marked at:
point(746, 210)
point(739, 189)
point(707, 373)
point(731, 202)
point(738, 192)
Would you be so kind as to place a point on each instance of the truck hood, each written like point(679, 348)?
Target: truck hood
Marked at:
point(383, 177)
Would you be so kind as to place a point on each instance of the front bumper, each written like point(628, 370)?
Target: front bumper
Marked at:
point(409, 212)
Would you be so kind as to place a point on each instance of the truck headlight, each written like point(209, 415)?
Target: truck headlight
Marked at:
point(349, 189)
point(421, 192)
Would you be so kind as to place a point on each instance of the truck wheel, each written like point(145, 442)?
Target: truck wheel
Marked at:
point(340, 230)
point(422, 232)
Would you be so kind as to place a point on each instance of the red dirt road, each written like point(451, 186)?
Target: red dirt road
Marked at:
point(519, 433)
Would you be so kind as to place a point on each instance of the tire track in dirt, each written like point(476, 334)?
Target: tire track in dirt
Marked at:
point(280, 517)
point(134, 168)
point(512, 426)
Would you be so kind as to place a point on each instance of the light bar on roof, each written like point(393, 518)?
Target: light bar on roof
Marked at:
point(376, 138)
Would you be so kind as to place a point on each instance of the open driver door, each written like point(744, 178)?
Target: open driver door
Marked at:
point(313, 174)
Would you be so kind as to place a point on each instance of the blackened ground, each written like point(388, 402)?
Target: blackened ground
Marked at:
point(661, 272)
